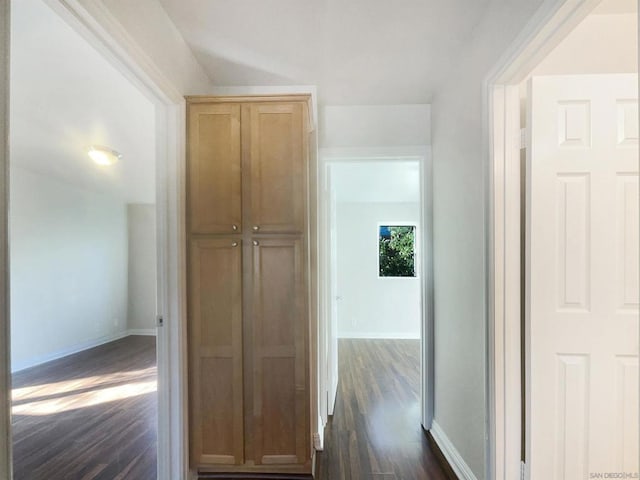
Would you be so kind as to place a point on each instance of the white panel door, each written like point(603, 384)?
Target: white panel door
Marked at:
point(582, 293)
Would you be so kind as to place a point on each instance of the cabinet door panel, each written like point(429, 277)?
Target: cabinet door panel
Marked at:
point(215, 344)
point(277, 162)
point(214, 165)
point(280, 384)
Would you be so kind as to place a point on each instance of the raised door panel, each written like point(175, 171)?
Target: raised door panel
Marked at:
point(214, 164)
point(582, 300)
point(274, 142)
point(280, 329)
point(215, 345)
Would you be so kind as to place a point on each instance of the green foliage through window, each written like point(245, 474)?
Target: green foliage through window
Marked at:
point(397, 251)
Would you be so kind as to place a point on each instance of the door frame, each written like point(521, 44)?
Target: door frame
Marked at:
point(99, 27)
point(328, 362)
point(5, 343)
point(501, 132)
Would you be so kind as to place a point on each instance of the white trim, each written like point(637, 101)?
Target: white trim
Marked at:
point(65, 352)
point(417, 246)
point(378, 335)
point(328, 157)
point(172, 338)
point(5, 342)
point(274, 90)
point(80, 347)
point(451, 454)
point(427, 358)
point(332, 395)
point(318, 439)
point(372, 154)
point(105, 33)
point(547, 28)
point(148, 332)
point(501, 132)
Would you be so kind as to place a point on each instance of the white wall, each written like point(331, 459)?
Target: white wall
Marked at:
point(370, 306)
point(141, 312)
point(68, 268)
point(374, 125)
point(151, 28)
point(599, 44)
point(460, 281)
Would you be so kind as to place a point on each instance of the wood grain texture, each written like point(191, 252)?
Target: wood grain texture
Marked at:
point(375, 432)
point(215, 349)
point(255, 476)
point(195, 99)
point(446, 468)
point(88, 416)
point(214, 169)
point(273, 296)
point(280, 380)
point(275, 143)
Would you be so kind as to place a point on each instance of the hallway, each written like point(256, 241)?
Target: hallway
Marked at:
point(375, 432)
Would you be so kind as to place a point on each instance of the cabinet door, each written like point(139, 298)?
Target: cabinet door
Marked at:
point(280, 329)
point(273, 139)
point(214, 169)
point(215, 346)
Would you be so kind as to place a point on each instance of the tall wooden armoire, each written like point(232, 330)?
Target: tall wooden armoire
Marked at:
point(248, 284)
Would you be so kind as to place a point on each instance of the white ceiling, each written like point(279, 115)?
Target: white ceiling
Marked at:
point(357, 52)
point(64, 97)
point(379, 181)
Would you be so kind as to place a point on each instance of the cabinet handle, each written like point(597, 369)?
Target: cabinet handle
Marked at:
point(256, 228)
point(234, 244)
point(256, 243)
point(234, 227)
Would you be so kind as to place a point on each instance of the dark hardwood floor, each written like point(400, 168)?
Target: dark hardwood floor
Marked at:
point(375, 432)
point(91, 415)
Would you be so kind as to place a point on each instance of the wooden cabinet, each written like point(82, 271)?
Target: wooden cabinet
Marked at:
point(248, 310)
point(215, 325)
point(279, 345)
point(273, 142)
point(214, 169)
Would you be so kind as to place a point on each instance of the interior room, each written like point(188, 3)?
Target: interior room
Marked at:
point(376, 294)
point(339, 239)
point(372, 303)
point(83, 258)
point(375, 161)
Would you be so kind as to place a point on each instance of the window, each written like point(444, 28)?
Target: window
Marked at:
point(397, 251)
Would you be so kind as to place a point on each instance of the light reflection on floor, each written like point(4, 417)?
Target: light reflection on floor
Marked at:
point(56, 397)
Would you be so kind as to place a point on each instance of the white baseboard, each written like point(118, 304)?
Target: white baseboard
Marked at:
point(79, 347)
point(333, 395)
point(380, 335)
point(142, 331)
point(318, 441)
point(457, 463)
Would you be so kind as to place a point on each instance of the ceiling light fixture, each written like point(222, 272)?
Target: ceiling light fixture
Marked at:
point(103, 155)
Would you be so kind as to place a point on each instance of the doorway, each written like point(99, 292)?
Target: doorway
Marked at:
point(376, 211)
point(83, 260)
point(577, 105)
point(99, 27)
point(376, 232)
